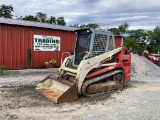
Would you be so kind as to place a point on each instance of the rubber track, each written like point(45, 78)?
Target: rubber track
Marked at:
point(96, 79)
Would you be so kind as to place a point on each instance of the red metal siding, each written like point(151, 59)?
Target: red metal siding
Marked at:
point(118, 41)
point(15, 40)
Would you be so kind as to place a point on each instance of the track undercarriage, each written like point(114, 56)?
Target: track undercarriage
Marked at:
point(62, 89)
point(112, 80)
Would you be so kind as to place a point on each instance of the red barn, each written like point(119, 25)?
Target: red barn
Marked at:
point(16, 36)
point(118, 41)
point(47, 41)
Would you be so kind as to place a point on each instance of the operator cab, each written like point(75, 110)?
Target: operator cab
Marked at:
point(91, 43)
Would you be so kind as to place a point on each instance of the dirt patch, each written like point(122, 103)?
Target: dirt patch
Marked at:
point(26, 96)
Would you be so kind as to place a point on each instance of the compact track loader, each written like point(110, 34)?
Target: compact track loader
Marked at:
point(96, 66)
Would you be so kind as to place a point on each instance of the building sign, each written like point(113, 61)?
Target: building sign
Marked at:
point(46, 43)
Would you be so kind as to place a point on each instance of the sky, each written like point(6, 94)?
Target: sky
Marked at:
point(139, 14)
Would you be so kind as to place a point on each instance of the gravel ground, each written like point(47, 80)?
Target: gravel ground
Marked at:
point(140, 99)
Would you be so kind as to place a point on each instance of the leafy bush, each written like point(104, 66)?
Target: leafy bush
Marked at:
point(53, 61)
point(71, 52)
point(2, 67)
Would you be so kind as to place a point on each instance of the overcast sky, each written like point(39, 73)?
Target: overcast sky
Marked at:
point(139, 14)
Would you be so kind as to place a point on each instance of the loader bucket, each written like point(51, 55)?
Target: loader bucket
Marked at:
point(57, 91)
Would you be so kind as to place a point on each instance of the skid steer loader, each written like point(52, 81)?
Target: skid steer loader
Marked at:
point(96, 66)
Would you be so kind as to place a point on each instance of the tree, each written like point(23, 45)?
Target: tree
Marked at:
point(41, 17)
point(136, 39)
point(140, 35)
point(75, 25)
point(83, 26)
point(155, 35)
point(89, 25)
point(93, 25)
point(52, 20)
point(61, 21)
point(131, 43)
point(19, 18)
point(30, 18)
point(6, 10)
point(115, 31)
point(154, 39)
point(122, 29)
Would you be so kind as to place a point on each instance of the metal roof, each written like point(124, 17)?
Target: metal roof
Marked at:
point(35, 24)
